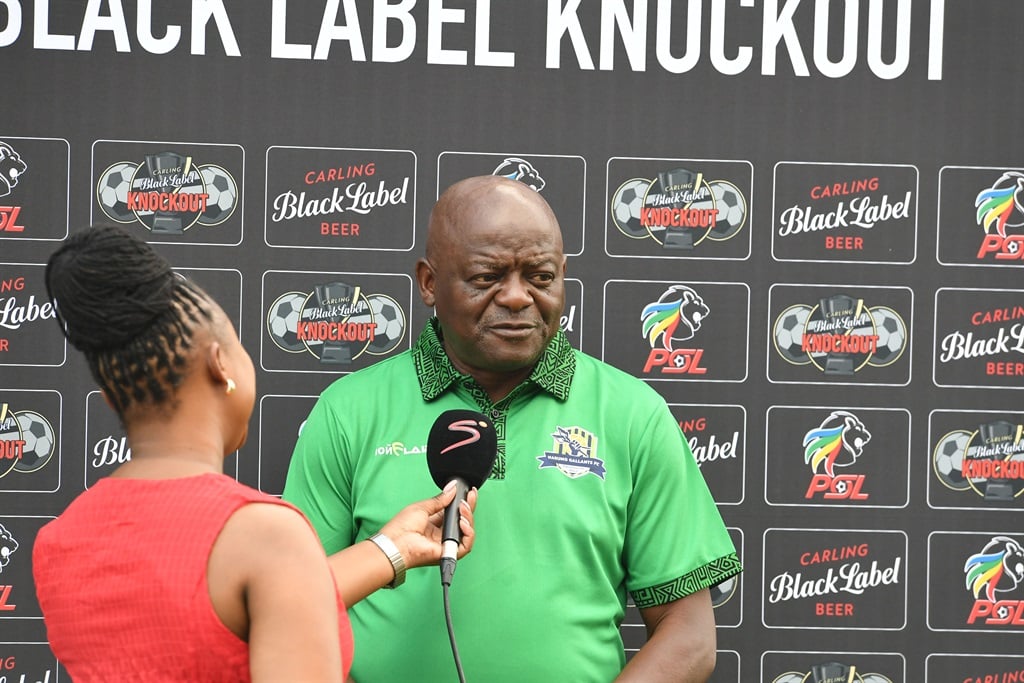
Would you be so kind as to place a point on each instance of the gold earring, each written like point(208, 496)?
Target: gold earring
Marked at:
point(231, 386)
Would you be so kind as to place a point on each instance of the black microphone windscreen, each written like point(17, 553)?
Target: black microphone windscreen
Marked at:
point(462, 443)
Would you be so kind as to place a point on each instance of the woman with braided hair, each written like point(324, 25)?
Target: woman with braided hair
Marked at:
point(168, 570)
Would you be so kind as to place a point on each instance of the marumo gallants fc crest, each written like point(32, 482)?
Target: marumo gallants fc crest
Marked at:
point(573, 453)
point(997, 570)
point(840, 335)
point(336, 323)
point(988, 460)
point(168, 192)
point(679, 209)
point(675, 317)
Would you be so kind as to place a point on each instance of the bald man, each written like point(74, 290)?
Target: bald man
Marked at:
point(594, 492)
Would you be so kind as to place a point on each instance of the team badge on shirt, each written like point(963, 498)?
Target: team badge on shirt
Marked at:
point(573, 453)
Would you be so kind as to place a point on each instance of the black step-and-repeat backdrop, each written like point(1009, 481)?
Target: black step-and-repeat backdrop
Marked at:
point(827, 194)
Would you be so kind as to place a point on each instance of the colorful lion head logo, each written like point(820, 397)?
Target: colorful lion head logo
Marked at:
point(838, 441)
point(1001, 562)
point(997, 203)
point(677, 314)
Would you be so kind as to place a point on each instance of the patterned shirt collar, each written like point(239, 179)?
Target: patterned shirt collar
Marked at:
point(553, 372)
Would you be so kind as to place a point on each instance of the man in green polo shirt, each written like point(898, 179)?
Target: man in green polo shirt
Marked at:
point(594, 491)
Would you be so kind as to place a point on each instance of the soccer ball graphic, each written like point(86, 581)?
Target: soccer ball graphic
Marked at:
point(283, 321)
point(789, 333)
point(37, 433)
point(948, 458)
point(390, 323)
point(790, 677)
point(627, 202)
point(222, 194)
point(892, 336)
point(720, 593)
point(112, 191)
point(732, 210)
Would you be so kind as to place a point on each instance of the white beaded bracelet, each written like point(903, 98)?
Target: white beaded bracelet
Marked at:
point(389, 548)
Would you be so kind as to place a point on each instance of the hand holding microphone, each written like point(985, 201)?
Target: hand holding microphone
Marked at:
point(461, 449)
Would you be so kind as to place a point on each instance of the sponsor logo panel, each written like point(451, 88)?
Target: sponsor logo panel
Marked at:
point(973, 668)
point(717, 435)
point(28, 663)
point(29, 334)
point(333, 322)
point(678, 208)
point(979, 338)
point(976, 460)
point(30, 440)
point(34, 182)
point(170, 192)
point(975, 581)
point(106, 444)
point(839, 334)
point(832, 667)
point(981, 216)
point(571, 321)
point(838, 457)
point(560, 179)
point(338, 198)
point(285, 417)
point(662, 331)
point(17, 593)
point(834, 579)
point(844, 213)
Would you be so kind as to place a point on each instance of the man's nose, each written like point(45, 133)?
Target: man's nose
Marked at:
point(515, 293)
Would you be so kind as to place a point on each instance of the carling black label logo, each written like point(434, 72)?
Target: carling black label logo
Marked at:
point(974, 668)
point(840, 335)
point(835, 578)
point(832, 667)
point(844, 213)
point(29, 334)
point(717, 436)
point(339, 198)
point(34, 178)
point(838, 457)
point(669, 330)
point(979, 338)
point(678, 208)
point(175, 191)
point(981, 216)
point(977, 460)
point(560, 179)
point(333, 322)
point(27, 663)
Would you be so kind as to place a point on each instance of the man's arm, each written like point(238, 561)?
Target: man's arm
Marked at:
point(680, 645)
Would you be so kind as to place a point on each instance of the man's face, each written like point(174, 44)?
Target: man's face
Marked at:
point(496, 281)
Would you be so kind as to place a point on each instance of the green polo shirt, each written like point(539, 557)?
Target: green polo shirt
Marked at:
point(594, 493)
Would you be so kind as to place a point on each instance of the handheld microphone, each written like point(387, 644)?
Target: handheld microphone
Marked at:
point(461, 447)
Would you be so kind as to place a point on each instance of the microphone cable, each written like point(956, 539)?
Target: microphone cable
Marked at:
point(451, 630)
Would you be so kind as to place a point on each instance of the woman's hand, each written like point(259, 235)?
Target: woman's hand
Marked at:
point(416, 529)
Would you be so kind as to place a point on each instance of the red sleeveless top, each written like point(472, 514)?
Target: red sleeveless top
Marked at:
point(121, 580)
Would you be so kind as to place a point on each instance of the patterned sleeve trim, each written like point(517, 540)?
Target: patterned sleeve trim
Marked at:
point(700, 578)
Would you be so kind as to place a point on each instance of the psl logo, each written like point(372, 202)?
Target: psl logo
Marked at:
point(574, 453)
point(679, 209)
point(998, 568)
point(336, 323)
point(840, 335)
point(168, 193)
point(11, 169)
point(1001, 206)
point(27, 440)
point(988, 460)
point(837, 442)
point(675, 316)
point(522, 170)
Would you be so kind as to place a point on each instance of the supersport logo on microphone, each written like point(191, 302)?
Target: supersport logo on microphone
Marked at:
point(467, 426)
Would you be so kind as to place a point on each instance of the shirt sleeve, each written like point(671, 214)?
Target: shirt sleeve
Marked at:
point(676, 542)
point(319, 479)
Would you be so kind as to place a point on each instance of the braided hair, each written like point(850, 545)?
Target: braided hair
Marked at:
point(120, 303)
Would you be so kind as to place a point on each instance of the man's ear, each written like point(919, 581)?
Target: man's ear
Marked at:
point(426, 280)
